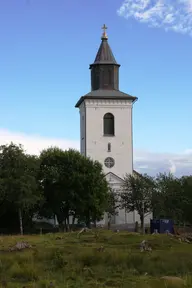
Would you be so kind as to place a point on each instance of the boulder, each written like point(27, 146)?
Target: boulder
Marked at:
point(173, 281)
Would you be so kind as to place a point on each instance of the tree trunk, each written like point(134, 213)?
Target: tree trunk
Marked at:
point(20, 222)
point(68, 225)
point(73, 221)
point(55, 220)
point(109, 225)
point(65, 225)
point(60, 222)
point(61, 227)
point(142, 224)
point(136, 227)
point(109, 222)
point(88, 224)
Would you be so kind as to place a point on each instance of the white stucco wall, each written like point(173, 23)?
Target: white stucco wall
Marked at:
point(123, 217)
point(95, 145)
point(93, 141)
point(82, 128)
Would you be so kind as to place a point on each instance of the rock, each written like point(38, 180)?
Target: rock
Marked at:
point(144, 246)
point(58, 238)
point(20, 246)
point(174, 281)
point(4, 284)
point(83, 230)
point(101, 249)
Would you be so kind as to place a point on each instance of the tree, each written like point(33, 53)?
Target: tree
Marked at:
point(186, 205)
point(18, 174)
point(137, 194)
point(93, 192)
point(73, 185)
point(112, 205)
point(168, 197)
point(53, 182)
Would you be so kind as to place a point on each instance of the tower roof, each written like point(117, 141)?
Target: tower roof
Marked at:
point(104, 54)
point(104, 77)
point(106, 95)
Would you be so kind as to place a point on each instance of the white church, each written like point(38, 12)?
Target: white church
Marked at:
point(106, 133)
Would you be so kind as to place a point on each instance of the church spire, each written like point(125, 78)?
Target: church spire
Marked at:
point(105, 70)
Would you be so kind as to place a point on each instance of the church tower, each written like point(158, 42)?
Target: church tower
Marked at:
point(106, 118)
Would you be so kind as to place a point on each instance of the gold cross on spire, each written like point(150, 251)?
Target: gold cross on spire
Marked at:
point(104, 35)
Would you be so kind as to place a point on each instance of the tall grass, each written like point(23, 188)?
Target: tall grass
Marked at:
point(78, 262)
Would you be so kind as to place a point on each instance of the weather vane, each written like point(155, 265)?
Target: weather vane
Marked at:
point(104, 36)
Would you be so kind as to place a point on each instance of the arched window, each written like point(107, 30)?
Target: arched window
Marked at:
point(109, 124)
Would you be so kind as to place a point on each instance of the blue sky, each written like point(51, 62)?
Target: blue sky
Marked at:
point(46, 49)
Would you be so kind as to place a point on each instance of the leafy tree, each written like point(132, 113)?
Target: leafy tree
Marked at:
point(137, 195)
point(72, 185)
point(53, 183)
point(186, 204)
point(168, 197)
point(112, 205)
point(18, 185)
point(94, 192)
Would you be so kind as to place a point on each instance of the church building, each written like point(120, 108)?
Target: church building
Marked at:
point(106, 133)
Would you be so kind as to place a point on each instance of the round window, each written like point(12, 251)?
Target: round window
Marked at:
point(109, 162)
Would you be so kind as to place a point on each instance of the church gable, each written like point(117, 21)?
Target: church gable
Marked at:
point(113, 179)
point(136, 174)
point(116, 181)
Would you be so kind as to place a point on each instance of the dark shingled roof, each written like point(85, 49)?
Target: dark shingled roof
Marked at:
point(104, 57)
point(105, 54)
point(106, 94)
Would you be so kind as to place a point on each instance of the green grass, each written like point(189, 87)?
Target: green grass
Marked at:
point(76, 262)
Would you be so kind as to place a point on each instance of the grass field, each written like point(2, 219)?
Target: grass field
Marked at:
point(66, 260)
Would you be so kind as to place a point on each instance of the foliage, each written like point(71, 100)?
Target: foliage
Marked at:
point(112, 205)
point(53, 182)
point(18, 174)
point(168, 197)
point(94, 192)
point(186, 204)
point(137, 194)
point(72, 185)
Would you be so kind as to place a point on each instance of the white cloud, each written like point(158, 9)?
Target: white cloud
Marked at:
point(175, 15)
point(144, 161)
point(153, 163)
point(173, 167)
point(34, 144)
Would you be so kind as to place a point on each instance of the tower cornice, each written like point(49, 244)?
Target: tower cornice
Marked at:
point(106, 95)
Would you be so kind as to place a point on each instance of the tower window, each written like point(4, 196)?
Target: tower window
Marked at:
point(109, 147)
point(109, 162)
point(109, 124)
